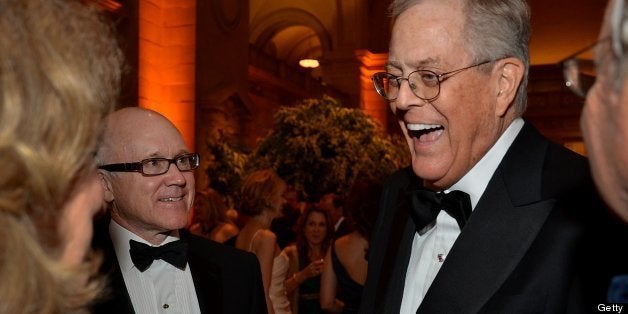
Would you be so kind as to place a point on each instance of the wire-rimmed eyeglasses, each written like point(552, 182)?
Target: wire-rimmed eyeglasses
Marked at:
point(424, 84)
point(580, 73)
point(156, 166)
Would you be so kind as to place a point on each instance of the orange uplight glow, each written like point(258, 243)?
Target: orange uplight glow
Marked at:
point(370, 101)
point(167, 40)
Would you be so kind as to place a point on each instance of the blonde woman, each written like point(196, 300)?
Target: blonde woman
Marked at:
point(262, 198)
point(59, 75)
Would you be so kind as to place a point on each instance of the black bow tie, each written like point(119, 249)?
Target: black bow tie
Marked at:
point(143, 255)
point(425, 206)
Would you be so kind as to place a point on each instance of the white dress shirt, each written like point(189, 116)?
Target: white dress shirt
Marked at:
point(430, 250)
point(162, 288)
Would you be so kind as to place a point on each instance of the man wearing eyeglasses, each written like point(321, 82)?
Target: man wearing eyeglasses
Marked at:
point(491, 217)
point(154, 265)
point(604, 119)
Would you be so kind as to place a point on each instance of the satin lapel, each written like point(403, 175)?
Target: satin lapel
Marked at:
point(207, 279)
point(120, 301)
point(116, 298)
point(495, 239)
point(503, 225)
point(395, 263)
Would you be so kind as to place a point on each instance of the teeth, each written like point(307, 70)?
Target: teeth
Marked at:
point(421, 127)
point(171, 199)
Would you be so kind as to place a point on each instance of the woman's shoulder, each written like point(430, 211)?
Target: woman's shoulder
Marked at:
point(196, 229)
point(349, 240)
point(263, 238)
point(290, 250)
point(350, 244)
point(229, 229)
point(265, 235)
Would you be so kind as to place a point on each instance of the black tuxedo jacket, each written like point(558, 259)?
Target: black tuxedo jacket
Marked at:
point(538, 241)
point(226, 280)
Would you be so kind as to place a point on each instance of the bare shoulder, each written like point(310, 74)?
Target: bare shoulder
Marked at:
point(267, 235)
point(351, 246)
point(230, 229)
point(265, 239)
point(290, 250)
point(349, 241)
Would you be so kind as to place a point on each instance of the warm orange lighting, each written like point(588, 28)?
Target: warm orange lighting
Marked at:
point(167, 62)
point(309, 63)
point(370, 101)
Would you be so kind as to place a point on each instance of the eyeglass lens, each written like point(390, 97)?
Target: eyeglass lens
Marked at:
point(423, 83)
point(156, 166)
point(579, 75)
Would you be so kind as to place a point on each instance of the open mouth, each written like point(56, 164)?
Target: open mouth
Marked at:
point(424, 132)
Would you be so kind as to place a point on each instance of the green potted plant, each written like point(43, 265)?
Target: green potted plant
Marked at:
point(319, 146)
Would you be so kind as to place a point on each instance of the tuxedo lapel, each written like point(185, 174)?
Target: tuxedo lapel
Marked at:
point(395, 263)
point(207, 279)
point(503, 226)
point(494, 240)
point(116, 297)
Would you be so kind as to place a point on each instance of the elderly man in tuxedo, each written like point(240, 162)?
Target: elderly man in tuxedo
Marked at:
point(604, 119)
point(491, 217)
point(154, 265)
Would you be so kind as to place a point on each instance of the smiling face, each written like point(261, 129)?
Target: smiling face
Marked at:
point(150, 207)
point(450, 134)
point(315, 229)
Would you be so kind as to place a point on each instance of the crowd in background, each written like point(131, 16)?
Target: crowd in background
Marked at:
point(313, 253)
point(274, 252)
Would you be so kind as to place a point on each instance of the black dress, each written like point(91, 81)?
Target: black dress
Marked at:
point(349, 291)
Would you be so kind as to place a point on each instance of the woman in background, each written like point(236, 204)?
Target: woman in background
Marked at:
point(346, 262)
point(314, 233)
point(60, 69)
point(209, 217)
point(261, 200)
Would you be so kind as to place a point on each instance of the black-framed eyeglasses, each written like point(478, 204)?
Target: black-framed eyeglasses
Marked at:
point(579, 73)
point(156, 166)
point(424, 84)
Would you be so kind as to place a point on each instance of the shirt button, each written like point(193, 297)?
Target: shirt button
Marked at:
point(165, 306)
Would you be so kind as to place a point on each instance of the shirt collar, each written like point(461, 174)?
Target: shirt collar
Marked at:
point(120, 238)
point(475, 181)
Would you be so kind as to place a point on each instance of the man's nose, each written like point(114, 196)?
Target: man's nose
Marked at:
point(406, 97)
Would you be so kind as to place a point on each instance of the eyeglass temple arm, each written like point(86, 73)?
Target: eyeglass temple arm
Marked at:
point(580, 51)
point(125, 167)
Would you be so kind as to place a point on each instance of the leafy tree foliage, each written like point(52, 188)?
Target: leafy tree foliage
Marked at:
point(319, 146)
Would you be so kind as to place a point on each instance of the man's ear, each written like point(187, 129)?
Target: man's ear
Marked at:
point(106, 185)
point(510, 73)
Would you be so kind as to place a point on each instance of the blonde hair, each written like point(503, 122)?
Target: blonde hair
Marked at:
point(259, 190)
point(60, 69)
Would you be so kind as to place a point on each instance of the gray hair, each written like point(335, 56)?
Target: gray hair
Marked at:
point(494, 29)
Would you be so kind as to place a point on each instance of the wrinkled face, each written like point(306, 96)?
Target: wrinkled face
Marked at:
point(315, 228)
point(449, 134)
point(605, 131)
point(76, 223)
point(149, 205)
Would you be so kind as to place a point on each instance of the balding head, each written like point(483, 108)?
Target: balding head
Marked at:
point(128, 126)
point(151, 206)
